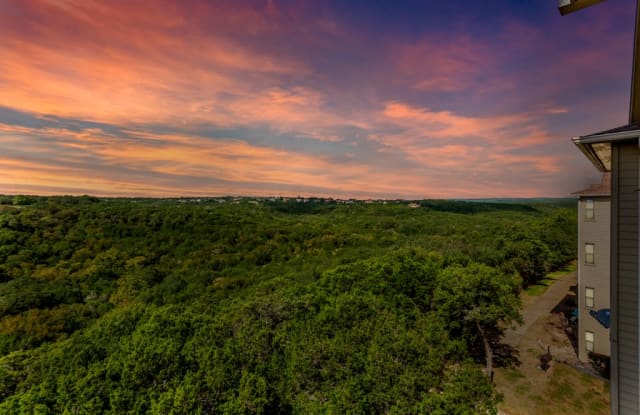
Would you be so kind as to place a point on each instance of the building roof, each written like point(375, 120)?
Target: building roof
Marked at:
point(633, 127)
point(597, 146)
point(599, 189)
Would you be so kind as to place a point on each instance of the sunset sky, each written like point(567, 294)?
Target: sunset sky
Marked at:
point(382, 99)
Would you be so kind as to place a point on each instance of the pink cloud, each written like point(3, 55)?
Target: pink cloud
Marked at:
point(117, 63)
point(415, 115)
point(445, 64)
point(446, 124)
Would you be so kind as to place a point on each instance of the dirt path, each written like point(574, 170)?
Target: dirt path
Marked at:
point(527, 389)
point(536, 307)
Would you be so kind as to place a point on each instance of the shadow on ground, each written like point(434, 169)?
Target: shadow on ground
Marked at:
point(567, 307)
point(506, 356)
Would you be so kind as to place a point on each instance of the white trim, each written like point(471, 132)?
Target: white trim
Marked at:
point(606, 138)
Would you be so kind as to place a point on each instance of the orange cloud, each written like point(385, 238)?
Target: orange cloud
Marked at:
point(164, 162)
point(123, 64)
point(324, 115)
point(173, 159)
point(426, 128)
point(447, 124)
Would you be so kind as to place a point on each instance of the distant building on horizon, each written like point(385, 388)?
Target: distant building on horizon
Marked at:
point(594, 268)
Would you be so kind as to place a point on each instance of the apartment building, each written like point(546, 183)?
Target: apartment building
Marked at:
point(618, 151)
point(594, 247)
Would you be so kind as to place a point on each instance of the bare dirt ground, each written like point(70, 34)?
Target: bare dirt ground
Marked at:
point(567, 386)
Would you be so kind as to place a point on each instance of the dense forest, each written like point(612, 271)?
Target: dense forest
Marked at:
point(240, 306)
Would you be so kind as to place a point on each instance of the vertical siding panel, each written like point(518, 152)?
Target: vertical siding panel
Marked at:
point(625, 277)
point(613, 328)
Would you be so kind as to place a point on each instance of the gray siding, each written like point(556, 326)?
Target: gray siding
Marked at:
point(596, 276)
point(624, 273)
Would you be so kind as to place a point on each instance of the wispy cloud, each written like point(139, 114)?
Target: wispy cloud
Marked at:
point(181, 98)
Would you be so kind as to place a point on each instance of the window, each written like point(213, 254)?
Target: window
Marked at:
point(589, 250)
point(589, 341)
point(589, 206)
point(589, 295)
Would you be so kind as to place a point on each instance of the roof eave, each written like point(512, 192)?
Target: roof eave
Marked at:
point(607, 138)
point(588, 151)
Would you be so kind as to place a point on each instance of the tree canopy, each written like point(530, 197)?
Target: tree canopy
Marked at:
point(274, 306)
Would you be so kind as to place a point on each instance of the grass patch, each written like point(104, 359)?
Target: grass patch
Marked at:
point(560, 390)
point(513, 375)
point(598, 407)
point(539, 289)
point(570, 267)
point(537, 400)
point(579, 391)
point(586, 379)
point(588, 395)
point(533, 352)
point(565, 391)
point(578, 406)
point(523, 389)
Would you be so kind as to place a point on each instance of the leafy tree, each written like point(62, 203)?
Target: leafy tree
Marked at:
point(467, 393)
point(478, 300)
point(530, 258)
point(175, 306)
